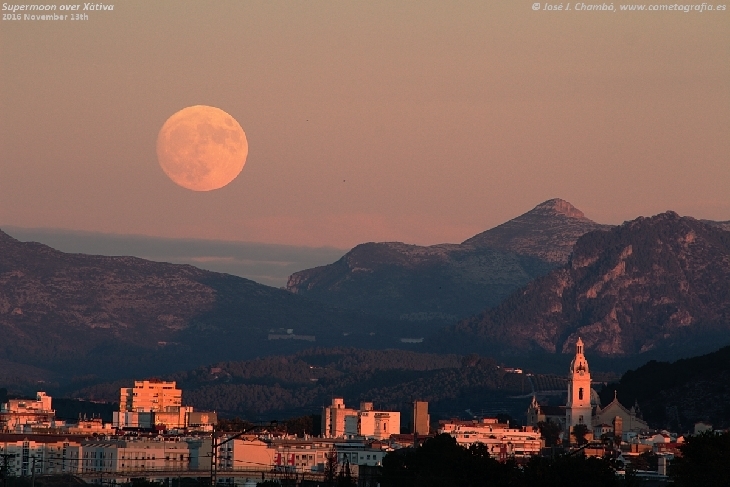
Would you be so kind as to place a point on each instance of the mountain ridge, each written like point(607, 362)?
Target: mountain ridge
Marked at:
point(71, 313)
point(439, 284)
point(624, 291)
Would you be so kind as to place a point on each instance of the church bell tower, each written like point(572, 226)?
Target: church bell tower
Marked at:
point(579, 408)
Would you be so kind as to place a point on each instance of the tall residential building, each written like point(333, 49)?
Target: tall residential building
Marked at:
point(149, 403)
point(333, 418)
point(150, 396)
point(421, 419)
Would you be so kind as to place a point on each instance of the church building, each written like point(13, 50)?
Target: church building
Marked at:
point(583, 407)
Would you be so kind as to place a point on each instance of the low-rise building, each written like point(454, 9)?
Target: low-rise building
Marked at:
point(502, 441)
point(23, 414)
point(252, 452)
point(41, 454)
point(339, 421)
point(134, 455)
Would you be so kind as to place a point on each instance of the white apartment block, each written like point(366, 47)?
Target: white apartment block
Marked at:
point(125, 455)
point(339, 421)
point(501, 440)
point(253, 452)
point(40, 454)
point(17, 414)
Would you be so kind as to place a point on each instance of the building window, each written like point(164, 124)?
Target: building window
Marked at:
point(580, 394)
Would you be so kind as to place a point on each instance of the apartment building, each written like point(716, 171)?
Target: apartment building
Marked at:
point(339, 421)
point(502, 441)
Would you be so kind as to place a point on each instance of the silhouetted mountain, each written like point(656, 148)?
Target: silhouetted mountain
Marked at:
point(679, 394)
point(79, 314)
point(443, 283)
point(647, 284)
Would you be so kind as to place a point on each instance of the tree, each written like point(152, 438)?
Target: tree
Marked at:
point(580, 431)
point(569, 470)
point(330, 467)
point(550, 432)
point(646, 461)
point(705, 461)
point(344, 479)
point(442, 462)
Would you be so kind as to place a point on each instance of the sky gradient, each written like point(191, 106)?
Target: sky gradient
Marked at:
point(422, 122)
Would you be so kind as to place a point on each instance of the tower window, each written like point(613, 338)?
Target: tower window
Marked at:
point(580, 394)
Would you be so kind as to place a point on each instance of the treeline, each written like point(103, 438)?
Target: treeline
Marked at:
point(300, 426)
point(302, 383)
point(441, 462)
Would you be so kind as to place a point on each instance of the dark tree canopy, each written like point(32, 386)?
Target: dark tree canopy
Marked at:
point(442, 462)
point(705, 461)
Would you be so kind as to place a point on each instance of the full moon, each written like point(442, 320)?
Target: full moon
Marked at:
point(202, 148)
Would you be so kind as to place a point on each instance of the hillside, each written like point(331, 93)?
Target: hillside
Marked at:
point(443, 283)
point(303, 382)
point(648, 284)
point(678, 394)
point(65, 315)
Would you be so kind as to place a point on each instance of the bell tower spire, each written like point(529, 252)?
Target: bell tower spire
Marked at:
point(579, 408)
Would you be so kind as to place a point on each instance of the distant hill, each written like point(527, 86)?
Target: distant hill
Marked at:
point(443, 283)
point(648, 284)
point(280, 387)
point(74, 315)
point(268, 264)
point(681, 393)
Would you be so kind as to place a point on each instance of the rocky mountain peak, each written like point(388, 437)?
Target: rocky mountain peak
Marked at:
point(547, 232)
point(557, 206)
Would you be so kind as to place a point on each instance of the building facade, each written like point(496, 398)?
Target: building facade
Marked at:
point(501, 441)
point(155, 403)
point(256, 453)
point(421, 423)
point(339, 421)
point(17, 414)
point(150, 396)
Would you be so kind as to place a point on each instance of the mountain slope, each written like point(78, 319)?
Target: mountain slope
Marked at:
point(301, 383)
point(74, 312)
point(443, 283)
point(648, 283)
point(681, 393)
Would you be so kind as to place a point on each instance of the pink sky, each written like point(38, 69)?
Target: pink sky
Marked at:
point(422, 122)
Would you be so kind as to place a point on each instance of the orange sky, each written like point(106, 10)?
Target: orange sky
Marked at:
point(422, 122)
